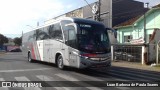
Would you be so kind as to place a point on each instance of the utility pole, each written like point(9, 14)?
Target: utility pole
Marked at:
point(99, 11)
point(37, 24)
point(96, 10)
point(145, 41)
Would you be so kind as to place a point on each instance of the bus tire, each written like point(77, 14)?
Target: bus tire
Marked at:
point(29, 57)
point(60, 62)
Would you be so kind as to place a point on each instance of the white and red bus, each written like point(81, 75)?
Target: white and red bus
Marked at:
point(73, 42)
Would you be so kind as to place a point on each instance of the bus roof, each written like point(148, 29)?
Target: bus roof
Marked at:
point(82, 20)
point(73, 19)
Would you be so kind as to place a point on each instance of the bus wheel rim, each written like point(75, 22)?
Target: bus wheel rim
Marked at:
point(29, 57)
point(60, 62)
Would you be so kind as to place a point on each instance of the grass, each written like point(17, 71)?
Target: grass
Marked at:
point(157, 66)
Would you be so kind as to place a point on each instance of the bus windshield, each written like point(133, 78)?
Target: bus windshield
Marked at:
point(92, 38)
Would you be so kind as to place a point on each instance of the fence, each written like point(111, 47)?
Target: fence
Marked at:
point(132, 53)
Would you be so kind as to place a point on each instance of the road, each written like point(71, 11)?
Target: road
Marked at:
point(14, 67)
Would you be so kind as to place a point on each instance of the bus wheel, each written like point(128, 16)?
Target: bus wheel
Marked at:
point(29, 57)
point(60, 62)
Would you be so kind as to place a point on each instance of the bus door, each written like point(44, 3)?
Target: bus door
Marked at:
point(47, 50)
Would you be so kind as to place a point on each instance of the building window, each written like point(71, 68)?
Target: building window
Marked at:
point(127, 38)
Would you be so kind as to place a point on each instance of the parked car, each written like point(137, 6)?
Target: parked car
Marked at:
point(16, 50)
point(124, 56)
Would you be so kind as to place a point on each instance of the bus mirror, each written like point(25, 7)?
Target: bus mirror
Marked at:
point(112, 31)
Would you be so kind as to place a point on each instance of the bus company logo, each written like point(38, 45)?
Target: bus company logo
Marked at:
point(6, 84)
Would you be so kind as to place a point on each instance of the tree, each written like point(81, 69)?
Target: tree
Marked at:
point(18, 41)
point(3, 39)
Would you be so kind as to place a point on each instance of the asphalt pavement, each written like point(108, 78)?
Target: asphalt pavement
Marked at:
point(14, 67)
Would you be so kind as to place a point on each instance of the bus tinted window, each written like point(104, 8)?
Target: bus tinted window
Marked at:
point(65, 28)
point(92, 38)
point(40, 34)
point(31, 36)
point(71, 33)
point(45, 33)
point(64, 23)
point(55, 31)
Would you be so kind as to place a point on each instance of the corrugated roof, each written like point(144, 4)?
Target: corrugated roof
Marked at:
point(129, 22)
point(157, 6)
point(132, 20)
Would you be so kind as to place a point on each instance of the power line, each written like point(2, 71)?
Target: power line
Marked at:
point(94, 9)
point(88, 4)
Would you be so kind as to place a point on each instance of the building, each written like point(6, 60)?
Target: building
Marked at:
point(113, 12)
point(133, 29)
point(142, 31)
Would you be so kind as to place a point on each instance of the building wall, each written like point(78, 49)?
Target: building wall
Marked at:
point(106, 6)
point(153, 45)
point(152, 22)
point(123, 32)
point(76, 13)
point(53, 19)
point(116, 9)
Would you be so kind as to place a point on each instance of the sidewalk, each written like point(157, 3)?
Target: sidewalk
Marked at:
point(2, 52)
point(135, 66)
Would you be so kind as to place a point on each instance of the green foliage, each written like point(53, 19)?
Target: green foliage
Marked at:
point(3, 39)
point(18, 41)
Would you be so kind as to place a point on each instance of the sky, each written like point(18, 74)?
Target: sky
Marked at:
point(22, 15)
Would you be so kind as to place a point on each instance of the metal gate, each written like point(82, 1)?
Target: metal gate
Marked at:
point(132, 53)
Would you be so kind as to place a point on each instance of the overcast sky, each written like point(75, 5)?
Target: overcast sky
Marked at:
point(21, 15)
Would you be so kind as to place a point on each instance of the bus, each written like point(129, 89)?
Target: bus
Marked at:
point(73, 42)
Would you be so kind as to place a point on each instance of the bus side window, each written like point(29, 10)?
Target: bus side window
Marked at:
point(31, 36)
point(56, 32)
point(71, 30)
point(41, 34)
point(50, 31)
point(46, 33)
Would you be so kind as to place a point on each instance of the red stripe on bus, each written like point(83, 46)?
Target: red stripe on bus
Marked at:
point(89, 55)
point(38, 52)
point(33, 54)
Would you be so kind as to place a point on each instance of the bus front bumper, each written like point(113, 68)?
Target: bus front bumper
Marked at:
point(90, 63)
